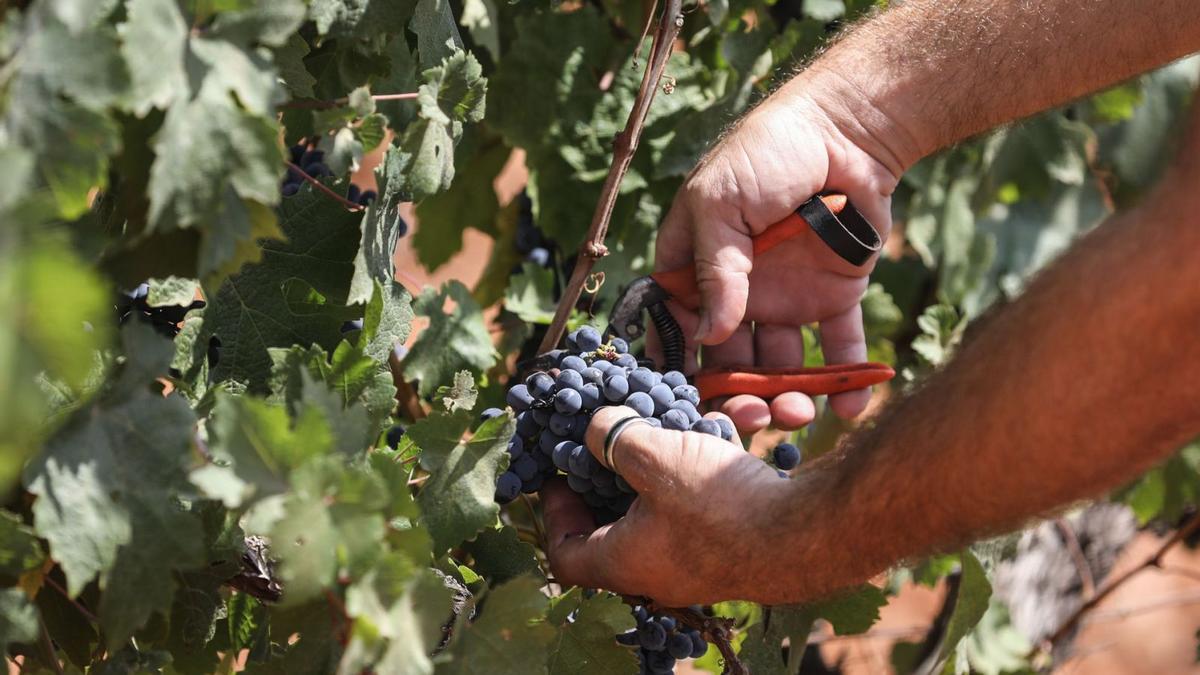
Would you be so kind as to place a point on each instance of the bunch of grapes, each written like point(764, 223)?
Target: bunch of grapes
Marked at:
point(661, 641)
point(554, 409)
point(164, 320)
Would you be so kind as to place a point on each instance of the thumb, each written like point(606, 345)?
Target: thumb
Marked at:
point(580, 554)
point(724, 258)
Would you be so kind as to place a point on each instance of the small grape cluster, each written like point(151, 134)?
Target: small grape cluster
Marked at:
point(165, 320)
point(530, 242)
point(661, 641)
point(312, 162)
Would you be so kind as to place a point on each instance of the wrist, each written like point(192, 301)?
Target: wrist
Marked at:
point(863, 114)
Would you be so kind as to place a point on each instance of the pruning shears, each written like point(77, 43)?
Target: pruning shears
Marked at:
point(835, 220)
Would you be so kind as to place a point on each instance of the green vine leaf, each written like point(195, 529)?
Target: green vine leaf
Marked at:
point(108, 485)
point(18, 618)
point(586, 645)
point(295, 295)
point(507, 638)
point(459, 499)
point(454, 340)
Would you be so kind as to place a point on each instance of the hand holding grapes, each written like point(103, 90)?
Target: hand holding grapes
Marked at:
point(788, 149)
point(699, 530)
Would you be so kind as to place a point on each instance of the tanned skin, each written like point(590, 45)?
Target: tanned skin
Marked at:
point(1084, 381)
point(897, 87)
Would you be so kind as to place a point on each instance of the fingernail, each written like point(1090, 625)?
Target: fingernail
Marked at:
point(705, 327)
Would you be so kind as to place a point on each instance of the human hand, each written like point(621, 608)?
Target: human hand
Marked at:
point(705, 527)
point(791, 147)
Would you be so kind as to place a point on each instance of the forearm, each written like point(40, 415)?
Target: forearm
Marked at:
point(1086, 380)
point(929, 73)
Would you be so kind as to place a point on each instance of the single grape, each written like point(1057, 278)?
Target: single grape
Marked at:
point(641, 403)
point(524, 466)
point(400, 225)
point(726, 428)
point(569, 379)
point(668, 622)
point(547, 440)
point(581, 463)
point(687, 393)
point(588, 339)
point(542, 416)
point(616, 388)
point(787, 456)
point(676, 420)
point(516, 446)
point(619, 345)
point(518, 397)
point(699, 646)
point(568, 401)
point(651, 635)
point(662, 397)
point(394, 435)
point(628, 639)
point(353, 193)
point(641, 379)
point(679, 646)
point(562, 424)
point(544, 463)
point(707, 427)
point(591, 396)
point(602, 365)
point(573, 362)
point(687, 409)
point(366, 198)
point(579, 427)
point(626, 360)
point(527, 426)
point(539, 256)
point(562, 455)
point(674, 378)
point(593, 374)
point(540, 385)
point(640, 615)
point(489, 414)
point(289, 189)
point(579, 484)
point(654, 422)
point(508, 486)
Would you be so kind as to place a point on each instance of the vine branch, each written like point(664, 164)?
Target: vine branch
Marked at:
point(345, 100)
point(624, 146)
point(350, 206)
point(1155, 560)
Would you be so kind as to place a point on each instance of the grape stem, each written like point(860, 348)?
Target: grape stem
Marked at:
point(624, 146)
point(715, 629)
point(350, 206)
point(345, 100)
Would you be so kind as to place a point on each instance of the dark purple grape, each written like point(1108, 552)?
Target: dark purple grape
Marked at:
point(687, 393)
point(590, 394)
point(568, 401)
point(726, 428)
point(527, 426)
point(676, 420)
point(525, 467)
point(578, 484)
point(394, 435)
point(707, 427)
point(573, 362)
point(540, 385)
point(619, 345)
point(562, 455)
point(662, 397)
point(518, 397)
point(562, 424)
point(689, 410)
point(641, 379)
point(489, 414)
point(516, 446)
point(588, 339)
point(679, 646)
point(786, 456)
point(508, 486)
point(699, 646)
point(353, 193)
point(616, 388)
point(674, 378)
point(641, 403)
point(569, 379)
